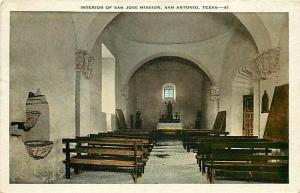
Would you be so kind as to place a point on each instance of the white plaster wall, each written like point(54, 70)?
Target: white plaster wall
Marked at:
point(258, 30)
point(97, 118)
point(284, 51)
point(108, 90)
point(240, 50)
point(132, 100)
point(254, 22)
point(283, 76)
point(209, 107)
point(118, 87)
point(95, 28)
point(85, 104)
point(132, 55)
point(119, 96)
point(42, 56)
point(262, 26)
point(24, 169)
point(81, 26)
point(221, 67)
point(273, 23)
point(92, 119)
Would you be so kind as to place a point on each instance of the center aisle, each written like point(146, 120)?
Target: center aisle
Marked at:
point(169, 163)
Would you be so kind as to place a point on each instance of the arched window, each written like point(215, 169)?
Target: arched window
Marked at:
point(169, 92)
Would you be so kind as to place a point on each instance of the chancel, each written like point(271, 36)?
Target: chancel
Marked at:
point(169, 121)
point(149, 98)
point(170, 116)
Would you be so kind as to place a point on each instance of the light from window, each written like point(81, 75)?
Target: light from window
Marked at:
point(168, 92)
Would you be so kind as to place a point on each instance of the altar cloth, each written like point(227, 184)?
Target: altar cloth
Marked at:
point(169, 126)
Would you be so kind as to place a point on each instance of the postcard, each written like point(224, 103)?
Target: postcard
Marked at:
point(149, 96)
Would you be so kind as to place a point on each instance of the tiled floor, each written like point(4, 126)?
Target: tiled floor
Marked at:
point(168, 163)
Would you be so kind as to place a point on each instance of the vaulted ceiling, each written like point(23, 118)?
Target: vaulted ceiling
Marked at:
point(134, 38)
point(207, 39)
point(171, 28)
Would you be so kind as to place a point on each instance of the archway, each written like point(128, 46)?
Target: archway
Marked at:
point(192, 91)
point(246, 20)
point(196, 62)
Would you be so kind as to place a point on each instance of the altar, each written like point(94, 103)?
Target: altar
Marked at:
point(169, 128)
point(169, 123)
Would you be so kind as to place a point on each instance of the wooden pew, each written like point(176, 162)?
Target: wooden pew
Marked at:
point(196, 142)
point(251, 159)
point(187, 136)
point(218, 129)
point(145, 141)
point(190, 136)
point(198, 145)
point(131, 135)
point(147, 145)
point(108, 141)
point(141, 133)
point(89, 153)
point(223, 161)
point(202, 149)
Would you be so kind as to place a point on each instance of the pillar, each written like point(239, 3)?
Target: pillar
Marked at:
point(108, 88)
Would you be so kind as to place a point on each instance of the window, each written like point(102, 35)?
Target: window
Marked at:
point(169, 92)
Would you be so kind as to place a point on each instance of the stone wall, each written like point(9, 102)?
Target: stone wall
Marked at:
point(25, 169)
point(241, 49)
point(145, 90)
point(42, 47)
point(282, 77)
point(42, 55)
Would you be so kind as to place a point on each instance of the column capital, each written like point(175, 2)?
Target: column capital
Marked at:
point(84, 62)
point(266, 64)
point(214, 92)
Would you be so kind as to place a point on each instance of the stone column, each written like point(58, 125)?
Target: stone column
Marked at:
point(108, 88)
point(215, 96)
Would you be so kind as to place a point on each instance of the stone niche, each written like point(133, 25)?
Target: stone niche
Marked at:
point(35, 126)
point(33, 158)
point(37, 117)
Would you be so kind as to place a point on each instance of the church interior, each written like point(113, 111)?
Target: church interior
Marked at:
point(148, 98)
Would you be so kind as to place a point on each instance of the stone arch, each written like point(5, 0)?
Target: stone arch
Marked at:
point(209, 75)
point(139, 82)
point(257, 29)
point(96, 27)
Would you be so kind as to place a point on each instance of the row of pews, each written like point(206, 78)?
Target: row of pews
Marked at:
point(122, 151)
point(245, 158)
point(248, 158)
point(190, 136)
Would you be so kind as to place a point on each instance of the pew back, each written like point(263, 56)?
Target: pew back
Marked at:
point(260, 157)
point(113, 154)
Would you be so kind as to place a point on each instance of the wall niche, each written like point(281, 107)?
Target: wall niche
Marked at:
point(35, 132)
